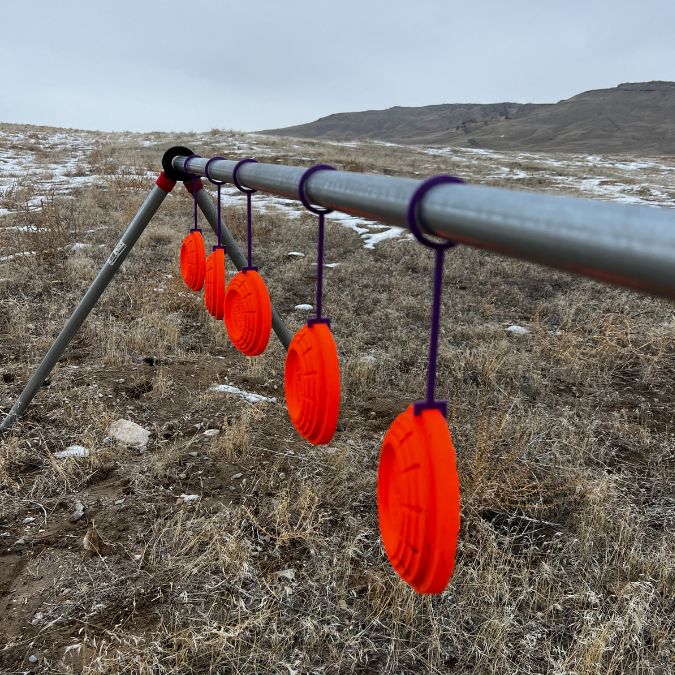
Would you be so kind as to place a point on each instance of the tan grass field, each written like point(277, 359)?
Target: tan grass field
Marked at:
point(565, 436)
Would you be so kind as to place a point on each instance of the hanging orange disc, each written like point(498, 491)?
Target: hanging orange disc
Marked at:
point(248, 312)
point(193, 260)
point(418, 499)
point(312, 383)
point(214, 286)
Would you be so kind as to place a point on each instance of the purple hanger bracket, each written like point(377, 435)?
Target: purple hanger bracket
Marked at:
point(218, 184)
point(186, 161)
point(321, 212)
point(248, 192)
point(439, 247)
point(195, 226)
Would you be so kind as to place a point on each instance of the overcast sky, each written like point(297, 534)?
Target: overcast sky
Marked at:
point(259, 64)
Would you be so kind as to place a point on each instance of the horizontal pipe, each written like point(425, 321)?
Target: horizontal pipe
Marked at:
point(632, 246)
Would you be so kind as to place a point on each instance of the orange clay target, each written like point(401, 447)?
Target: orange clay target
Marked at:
point(418, 499)
point(214, 286)
point(193, 260)
point(312, 383)
point(248, 312)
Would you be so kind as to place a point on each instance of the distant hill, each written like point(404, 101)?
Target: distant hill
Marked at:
point(636, 118)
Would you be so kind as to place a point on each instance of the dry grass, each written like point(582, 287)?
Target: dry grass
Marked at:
point(564, 436)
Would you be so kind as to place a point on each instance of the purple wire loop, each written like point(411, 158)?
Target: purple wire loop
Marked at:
point(195, 183)
point(218, 184)
point(249, 228)
point(195, 190)
point(235, 178)
point(186, 161)
point(439, 247)
point(321, 212)
point(215, 181)
point(413, 207)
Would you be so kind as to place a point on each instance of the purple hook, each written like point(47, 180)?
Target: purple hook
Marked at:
point(186, 161)
point(321, 212)
point(235, 178)
point(248, 192)
point(439, 247)
point(195, 183)
point(215, 181)
point(413, 207)
point(218, 184)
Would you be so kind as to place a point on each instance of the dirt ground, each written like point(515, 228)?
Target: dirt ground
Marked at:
point(565, 435)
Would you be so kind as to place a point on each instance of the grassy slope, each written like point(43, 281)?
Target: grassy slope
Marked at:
point(564, 437)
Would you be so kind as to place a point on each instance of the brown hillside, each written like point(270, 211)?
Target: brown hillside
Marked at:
point(630, 118)
point(407, 125)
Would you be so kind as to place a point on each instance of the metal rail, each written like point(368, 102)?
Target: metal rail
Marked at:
point(632, 246)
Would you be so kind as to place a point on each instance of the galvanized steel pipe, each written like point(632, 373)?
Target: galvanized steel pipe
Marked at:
point(632, 246)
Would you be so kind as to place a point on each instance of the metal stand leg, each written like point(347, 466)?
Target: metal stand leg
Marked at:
point(209, 210)
point(115, 260)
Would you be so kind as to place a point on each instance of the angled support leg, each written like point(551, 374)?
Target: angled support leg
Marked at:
point(133, 232)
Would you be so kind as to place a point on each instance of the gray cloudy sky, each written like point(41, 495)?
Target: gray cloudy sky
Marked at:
point(257, 64)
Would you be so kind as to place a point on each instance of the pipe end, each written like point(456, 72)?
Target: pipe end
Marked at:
point(167, 163)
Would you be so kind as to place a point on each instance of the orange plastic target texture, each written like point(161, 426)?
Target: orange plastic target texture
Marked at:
point(312, 383)
point(418, 499)
point(214, 286)
point(248, 313)
point(193, 260)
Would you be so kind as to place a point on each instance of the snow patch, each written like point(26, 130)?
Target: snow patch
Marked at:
point(373, 238)
point(517, 330)
point(25, 228)
point(72, 451)
point(247, 395)
point(7, 258)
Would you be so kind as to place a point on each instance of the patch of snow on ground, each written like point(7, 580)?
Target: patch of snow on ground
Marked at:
point(373, 238)
point(25, 228)
point(19, 162)
point(517, 330)
point(247, 395)
point(7, 258)
point(72, 451)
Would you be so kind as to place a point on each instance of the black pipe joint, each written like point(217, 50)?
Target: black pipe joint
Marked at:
point(167, 163)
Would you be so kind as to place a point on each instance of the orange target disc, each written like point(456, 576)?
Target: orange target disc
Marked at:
point(248, 312)
point(214, 286)
point(418, 499)
point(312, 383)
point(193, 260)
